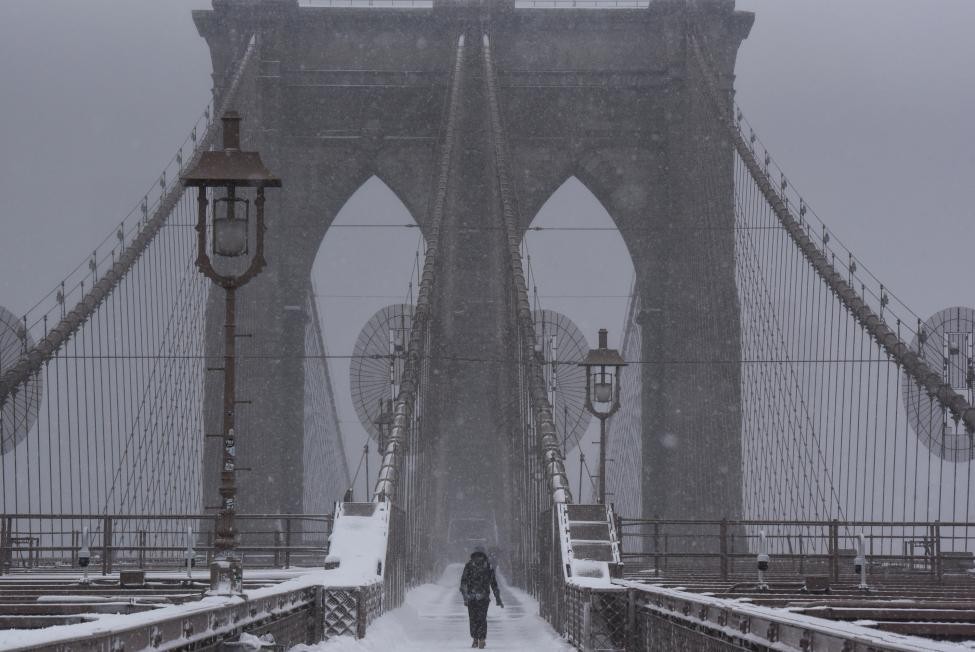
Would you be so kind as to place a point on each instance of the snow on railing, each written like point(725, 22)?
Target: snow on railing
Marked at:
point(582, 4)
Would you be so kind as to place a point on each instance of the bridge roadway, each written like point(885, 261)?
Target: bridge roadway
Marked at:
point(433, 617)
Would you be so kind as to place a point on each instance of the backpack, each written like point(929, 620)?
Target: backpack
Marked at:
point(476, 581)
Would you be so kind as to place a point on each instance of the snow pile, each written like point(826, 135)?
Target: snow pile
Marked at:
point(591, 574)
point(358, 545)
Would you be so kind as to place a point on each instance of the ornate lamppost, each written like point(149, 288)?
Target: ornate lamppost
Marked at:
point(603, 367)
point(230, 182)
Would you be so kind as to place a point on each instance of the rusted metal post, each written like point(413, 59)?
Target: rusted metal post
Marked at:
point(226, 561)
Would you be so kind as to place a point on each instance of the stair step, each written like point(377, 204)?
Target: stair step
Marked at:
point(593, 551)
point(589, 531)
point(586, 513)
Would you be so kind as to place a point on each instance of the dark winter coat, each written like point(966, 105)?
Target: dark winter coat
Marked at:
point(478, 580)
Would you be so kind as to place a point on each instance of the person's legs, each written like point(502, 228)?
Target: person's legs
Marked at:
point(478, 612)
point(472, 612)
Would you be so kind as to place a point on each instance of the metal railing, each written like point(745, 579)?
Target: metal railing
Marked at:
point(728, 547)
point(52, 542)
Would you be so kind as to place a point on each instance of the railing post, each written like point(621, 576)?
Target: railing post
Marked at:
point(587, 623)
point(4, 544)
point(277, 547)
point(802, 556)
point(666, 551)
point(936, 550)
point(656, 547)
point(834, 550)
point(631, 641)
point(107, 545)
point(723, 537)
point(142, 549)
point(287, 542)
point(361, 613)
point(210, 536)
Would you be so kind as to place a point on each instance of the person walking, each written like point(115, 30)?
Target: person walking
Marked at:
point(476, 585)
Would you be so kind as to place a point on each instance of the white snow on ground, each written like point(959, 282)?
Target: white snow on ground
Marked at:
point(434, 618)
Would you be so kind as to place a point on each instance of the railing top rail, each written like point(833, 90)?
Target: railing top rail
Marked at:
point(163, 517)
point(637, 521)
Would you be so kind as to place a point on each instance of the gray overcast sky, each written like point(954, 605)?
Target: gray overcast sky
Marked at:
point(867, 104)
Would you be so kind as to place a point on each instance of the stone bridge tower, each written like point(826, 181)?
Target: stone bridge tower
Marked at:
point(336, 96)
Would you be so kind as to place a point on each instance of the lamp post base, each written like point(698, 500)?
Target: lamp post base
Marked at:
point(226, 577)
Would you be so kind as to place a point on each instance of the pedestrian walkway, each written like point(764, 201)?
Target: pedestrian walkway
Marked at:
point(434, 617)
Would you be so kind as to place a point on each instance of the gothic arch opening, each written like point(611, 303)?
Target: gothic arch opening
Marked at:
point(364, 263)
point(580, 266)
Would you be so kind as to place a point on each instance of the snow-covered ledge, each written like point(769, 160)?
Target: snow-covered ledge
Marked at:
point(357, 555)
point(778, 629)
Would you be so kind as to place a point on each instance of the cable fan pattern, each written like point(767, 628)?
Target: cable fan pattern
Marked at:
point(946, 342)
point(563, 347)
point(377, 364)
point(19, 411)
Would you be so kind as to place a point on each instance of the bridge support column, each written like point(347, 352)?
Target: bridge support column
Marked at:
point(690, 324)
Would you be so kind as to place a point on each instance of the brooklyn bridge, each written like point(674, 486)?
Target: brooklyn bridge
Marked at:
point(772, 452)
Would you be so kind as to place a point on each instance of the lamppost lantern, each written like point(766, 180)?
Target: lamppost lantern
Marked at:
point(229, 183)
point(603, 367)
point(603, 373)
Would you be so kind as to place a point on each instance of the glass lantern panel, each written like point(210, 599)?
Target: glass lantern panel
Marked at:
point(230, 238)
point(230, 226)
point(603, 392)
